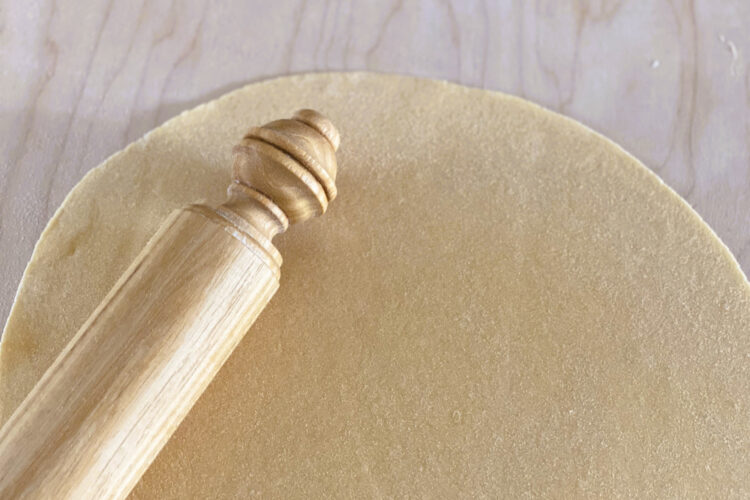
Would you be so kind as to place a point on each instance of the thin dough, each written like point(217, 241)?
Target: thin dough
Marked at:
point(500, 302)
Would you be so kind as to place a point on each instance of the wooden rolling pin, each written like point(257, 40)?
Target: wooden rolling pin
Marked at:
point(119, 389)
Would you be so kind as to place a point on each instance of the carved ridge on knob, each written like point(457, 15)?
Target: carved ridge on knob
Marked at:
point(321, 124)
point(284, 144)
point(284, 165)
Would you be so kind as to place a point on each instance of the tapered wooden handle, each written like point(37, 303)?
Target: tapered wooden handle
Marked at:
point(114, 396)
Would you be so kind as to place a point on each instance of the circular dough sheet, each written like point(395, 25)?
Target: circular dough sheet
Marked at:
point(500, 302)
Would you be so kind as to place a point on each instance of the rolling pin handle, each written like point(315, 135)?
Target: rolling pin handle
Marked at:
point(292, 163)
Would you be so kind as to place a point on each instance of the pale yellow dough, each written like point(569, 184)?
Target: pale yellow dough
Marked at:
point(500, 302)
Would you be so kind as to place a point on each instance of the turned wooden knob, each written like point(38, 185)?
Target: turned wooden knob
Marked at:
point(284, 172)
point(292, 162)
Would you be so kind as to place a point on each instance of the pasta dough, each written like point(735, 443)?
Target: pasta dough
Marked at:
point(500, 302)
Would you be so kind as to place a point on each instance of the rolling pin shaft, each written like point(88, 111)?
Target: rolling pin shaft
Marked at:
point(110, 401)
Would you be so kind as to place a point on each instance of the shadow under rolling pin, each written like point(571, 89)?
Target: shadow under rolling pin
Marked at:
point(116, 393)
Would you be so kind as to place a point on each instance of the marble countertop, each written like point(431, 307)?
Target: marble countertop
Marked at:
point(667, 80)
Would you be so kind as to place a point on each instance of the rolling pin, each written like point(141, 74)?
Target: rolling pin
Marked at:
point(116, 393)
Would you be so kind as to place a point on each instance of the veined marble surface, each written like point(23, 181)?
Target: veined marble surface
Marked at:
point(666, 79)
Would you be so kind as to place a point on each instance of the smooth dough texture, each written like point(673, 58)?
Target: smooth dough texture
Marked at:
point(500, 302)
